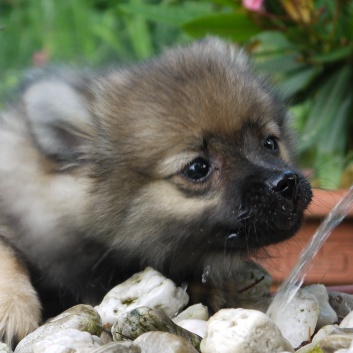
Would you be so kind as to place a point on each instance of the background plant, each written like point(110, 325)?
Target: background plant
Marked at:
point(83, 32)
point(306, 46)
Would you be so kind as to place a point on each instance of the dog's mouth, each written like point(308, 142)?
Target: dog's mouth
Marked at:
point(284, 221)
point(264, 217)
point(259, 231)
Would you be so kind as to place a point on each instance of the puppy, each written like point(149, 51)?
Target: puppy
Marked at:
point(182, 163)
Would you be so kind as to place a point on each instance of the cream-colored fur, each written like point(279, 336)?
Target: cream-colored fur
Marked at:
point(20, 309)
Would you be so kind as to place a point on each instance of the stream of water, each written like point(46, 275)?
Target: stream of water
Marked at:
point(295, 279)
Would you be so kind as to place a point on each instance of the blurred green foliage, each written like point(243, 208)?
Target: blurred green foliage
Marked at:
point(306, 46)
point(85, 32)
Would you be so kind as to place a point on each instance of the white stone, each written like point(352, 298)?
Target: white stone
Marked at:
point(118, 347)
point(67, 341)
point(195, 312)
point(243, 331)
point(148, 288)
point(321, 334)
point(347, 322)
point(327, 315)
point(296, 319)
point(79, 318)
point(4, 348)
point(324, 332)
point(309, 348)
point(348, 350)
point(163, 342)
point(195, 326)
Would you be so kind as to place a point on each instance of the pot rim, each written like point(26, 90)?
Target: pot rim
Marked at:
point(324, 201)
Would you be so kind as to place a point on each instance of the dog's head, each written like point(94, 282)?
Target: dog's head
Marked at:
point(190, 157)
point(199, 150)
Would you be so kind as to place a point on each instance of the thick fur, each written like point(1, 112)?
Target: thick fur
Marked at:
point(94, 179)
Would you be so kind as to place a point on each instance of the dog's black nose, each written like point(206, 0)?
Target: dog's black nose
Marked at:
point(284, 184)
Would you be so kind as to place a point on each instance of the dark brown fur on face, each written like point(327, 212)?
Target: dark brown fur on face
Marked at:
point(180, 163)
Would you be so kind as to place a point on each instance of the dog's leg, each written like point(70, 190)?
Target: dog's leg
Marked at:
point(247, 285)
point(20, 308)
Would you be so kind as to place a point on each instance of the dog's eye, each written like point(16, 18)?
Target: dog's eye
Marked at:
point(271, 144)
point(197, 170)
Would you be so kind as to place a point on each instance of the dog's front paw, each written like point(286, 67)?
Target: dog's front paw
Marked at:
point(20, 309)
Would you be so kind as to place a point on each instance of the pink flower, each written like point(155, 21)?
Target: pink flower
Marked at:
point(40, 58)
point(253, 5)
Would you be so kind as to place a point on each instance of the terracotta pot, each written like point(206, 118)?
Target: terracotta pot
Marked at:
point(333, 265)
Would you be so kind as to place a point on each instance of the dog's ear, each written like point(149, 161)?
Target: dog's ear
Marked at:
point(59, 119)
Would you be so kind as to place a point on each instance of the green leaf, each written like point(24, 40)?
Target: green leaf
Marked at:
point(330, 158)
point(105, 31)
point(270, 42)
point(327, 103)
point(170, 15)
point(229, 25)
point(350, 22)
point(139, 33)
point(334, 138)
point(300, 113)
point(329, 168)
point(335, 55)
point(281, 64)
point(297, 81)
point(231, 3)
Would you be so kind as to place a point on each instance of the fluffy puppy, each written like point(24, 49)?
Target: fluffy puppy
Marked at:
point(180, 163)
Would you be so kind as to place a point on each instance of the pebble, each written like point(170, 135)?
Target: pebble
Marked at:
point(4, 348)
point(347, 322)
point(243, 331)
point(329, 339)
point(80, 317)
point(344, 350)
point(69, 340)
point(297, 319)
point(342, 303)
point(314, 347)
point(334, 342)
point(141, 320)
point(148, 288)
point(196, 312)
point(324, 332)
point(118, 347)
point(163, 342)
point(327, 315)
point(77, 330)
point(106, 337)
point(196, 326)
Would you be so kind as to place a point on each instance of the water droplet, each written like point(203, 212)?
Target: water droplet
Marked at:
point(184, 286)
point(206, 274)
point(233, 235)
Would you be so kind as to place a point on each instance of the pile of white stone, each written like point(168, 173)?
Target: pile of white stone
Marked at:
point(141, 316)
